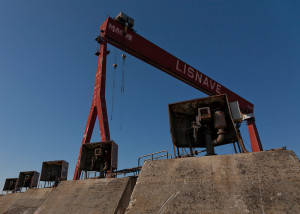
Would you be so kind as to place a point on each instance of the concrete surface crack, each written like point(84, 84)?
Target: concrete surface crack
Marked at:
point(172, 196)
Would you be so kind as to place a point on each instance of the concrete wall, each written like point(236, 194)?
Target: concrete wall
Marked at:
point(83, 196)
point(29, 201)
point(89, 196)
point(264, 182)
point(7, 200)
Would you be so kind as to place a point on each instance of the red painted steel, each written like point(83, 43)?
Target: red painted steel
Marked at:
point(254, 136)
point(150, 53)
point(113, 33)
point(98, 106)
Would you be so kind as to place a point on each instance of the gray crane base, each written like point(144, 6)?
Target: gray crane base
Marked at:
point(7, 200)
point(89, 196)
point(261, 182)
point(81, 196)
point(29, 201)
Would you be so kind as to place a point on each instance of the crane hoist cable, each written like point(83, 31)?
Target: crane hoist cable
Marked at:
point(123, 73)
point(114, 84)
point(122, 89)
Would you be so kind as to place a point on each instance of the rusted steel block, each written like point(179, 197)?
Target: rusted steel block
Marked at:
point(54, 170)
point(28, 179)
point(101, 156)
point(10, 184)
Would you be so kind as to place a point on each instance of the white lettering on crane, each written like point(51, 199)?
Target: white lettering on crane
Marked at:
point(195, 75)
point(212, 84)
point(218, 89)
point(205, 82)
point(198, 77)
point(177, 67)
point(119, 31)
point(191, 72)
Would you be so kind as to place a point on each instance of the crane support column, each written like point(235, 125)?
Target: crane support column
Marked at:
point(98, 107)
point(254, 136)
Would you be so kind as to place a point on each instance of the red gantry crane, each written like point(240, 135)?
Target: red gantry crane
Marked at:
point(119, 33)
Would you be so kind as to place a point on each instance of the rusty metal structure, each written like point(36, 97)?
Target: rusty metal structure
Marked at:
point(203, 123)
point(54, 171)
point(119, 32)
point(11, 185)
point(99, 157)
point(28, 179)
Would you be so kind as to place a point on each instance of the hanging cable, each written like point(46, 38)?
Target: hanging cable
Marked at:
point(114, 84)
point(121, 111)
point(122, 89)
point(113, 89)
point(123, 73)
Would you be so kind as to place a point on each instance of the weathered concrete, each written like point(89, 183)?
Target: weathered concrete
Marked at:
point(7, 200)
point(89, 196)
point(29, 201)
point(264, 182)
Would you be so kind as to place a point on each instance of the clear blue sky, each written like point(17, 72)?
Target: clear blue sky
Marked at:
point(47, 73)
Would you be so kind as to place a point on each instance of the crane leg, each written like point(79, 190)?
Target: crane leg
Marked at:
point(98, 107)
point(254, 136)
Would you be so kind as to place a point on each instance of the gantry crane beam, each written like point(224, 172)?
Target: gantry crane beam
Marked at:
point(126, 39)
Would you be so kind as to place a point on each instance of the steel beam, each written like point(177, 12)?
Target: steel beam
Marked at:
point(98, 107)
point(254, 136)
point(143, 49)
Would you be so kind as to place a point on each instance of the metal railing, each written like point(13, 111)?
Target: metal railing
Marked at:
point(153, 157)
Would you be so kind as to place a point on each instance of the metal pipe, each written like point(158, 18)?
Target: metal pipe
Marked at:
point(209, 146)
point(101, 170)
point(220, 124)
point(178, 153)
point(220, 138)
